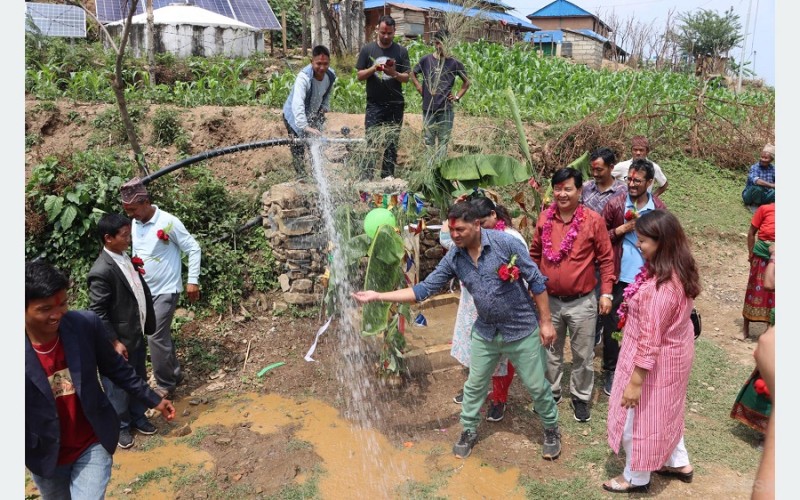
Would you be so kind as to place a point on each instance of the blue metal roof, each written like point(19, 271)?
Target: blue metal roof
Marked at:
point(560, 8)
point(545, 36)
point(557, 36)
point(449, 7)
point(592, 34)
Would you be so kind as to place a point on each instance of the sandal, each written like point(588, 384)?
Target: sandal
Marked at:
point(686, 477)
point(615, 487)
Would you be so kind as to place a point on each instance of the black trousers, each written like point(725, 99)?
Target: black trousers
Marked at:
point(610, 321)
point(382, 123)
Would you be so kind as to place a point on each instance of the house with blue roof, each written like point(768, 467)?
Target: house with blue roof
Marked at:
point(424, 17)
point(569, 31)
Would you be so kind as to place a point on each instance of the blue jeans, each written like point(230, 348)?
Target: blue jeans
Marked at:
point(84, 479)
point(128, 408)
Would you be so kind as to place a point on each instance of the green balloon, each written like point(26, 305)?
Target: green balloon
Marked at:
point(376, 218)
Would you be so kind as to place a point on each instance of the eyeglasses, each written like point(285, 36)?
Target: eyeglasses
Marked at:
point(635, 181)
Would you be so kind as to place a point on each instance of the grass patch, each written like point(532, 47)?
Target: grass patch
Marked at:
point(712, 436)
point(152, 442)
point(303, 491)
point(195, 438)
point(298, 444)
point(418, 490)
point(695, 186)
point(150, 476)
point(578, 488)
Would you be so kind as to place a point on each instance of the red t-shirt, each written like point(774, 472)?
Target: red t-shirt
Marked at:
point(76, 432)
point(764, 221)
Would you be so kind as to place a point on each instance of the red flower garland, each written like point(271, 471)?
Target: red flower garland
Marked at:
point(569, 238)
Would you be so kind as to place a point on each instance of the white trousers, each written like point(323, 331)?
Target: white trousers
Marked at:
point(678, 458)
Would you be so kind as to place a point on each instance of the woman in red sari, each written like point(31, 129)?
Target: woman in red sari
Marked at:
point(646, 408)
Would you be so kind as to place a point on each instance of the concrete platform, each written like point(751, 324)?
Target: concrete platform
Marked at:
point(429, 346)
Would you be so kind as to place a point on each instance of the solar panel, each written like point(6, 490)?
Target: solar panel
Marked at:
point(56, 19)
point(256, 13)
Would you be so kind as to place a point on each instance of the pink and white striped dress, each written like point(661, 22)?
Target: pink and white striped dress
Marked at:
point(658, 337)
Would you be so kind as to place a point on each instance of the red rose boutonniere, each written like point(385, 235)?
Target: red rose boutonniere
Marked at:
point(163, 234)
point(509, 272)
point(138, 264)
point(631, 214)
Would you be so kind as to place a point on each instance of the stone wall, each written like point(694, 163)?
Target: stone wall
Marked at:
point(294, 227)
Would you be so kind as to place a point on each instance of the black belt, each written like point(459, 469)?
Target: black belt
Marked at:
point(570, 298)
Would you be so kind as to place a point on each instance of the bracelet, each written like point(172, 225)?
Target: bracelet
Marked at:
point(607, 296)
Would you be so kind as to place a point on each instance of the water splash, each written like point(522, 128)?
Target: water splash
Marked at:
point(355, 372)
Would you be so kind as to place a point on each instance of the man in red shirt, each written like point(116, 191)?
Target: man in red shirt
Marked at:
point(568, 240)
point(71, 429)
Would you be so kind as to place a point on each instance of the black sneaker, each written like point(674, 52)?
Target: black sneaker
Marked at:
point(608, 383)
point(125, 440)
point(581, 409)
point(145, 428)
point(459, 398)
point(496, 411)
point(463, 447)
point(551, 446)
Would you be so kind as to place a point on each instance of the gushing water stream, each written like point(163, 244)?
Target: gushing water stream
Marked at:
point(355, 374)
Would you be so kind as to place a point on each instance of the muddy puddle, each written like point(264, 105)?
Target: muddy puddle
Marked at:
point(240, 448)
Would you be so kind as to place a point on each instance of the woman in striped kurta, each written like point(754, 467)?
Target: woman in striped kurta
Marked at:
point(646, 408)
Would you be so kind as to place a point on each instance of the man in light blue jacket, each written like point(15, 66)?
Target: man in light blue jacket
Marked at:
point(305, 108)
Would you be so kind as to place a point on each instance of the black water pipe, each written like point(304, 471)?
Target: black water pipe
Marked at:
point(213, 153)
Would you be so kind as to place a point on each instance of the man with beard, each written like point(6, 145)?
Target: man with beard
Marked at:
point(620, 215)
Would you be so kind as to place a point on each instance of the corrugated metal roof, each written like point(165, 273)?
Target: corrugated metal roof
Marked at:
point(591, 34)
point(449, 7)
point(560, 8)
point(545, 36)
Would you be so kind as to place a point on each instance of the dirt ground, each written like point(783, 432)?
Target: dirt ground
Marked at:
point(421, 410)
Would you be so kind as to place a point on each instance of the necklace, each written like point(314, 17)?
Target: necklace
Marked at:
point(50, 350)
point(569, 238)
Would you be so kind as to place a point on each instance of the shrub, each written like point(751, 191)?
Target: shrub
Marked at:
point(167, 128)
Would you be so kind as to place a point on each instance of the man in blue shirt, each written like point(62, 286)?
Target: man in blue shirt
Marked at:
point(620, 214)
point(507, 288)
point(760, 187)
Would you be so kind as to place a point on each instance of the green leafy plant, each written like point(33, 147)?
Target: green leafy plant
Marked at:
point(167, 128)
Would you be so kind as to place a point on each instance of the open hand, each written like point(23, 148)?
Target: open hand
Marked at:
point(365, 296)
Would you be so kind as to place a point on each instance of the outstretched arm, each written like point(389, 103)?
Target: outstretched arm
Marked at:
point(404, 295)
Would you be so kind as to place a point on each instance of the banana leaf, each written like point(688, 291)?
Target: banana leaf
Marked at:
point(481, 170)
point(384, 274)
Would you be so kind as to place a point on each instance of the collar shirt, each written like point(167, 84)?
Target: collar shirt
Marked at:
point(622, 168)
point(766, 174)
point(593, 198)
point(632, 260)
point(575, 274)
point(132, 275)
point(504, 307)
point(162, 259)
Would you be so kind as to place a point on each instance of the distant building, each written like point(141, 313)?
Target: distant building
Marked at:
point(187, 30)
point(422, 18)
point(571, 32)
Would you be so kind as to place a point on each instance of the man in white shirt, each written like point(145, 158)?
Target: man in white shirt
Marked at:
point(640, 147)
point(119, 295)
point(159, 238)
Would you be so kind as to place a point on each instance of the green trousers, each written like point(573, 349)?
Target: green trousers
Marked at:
point(529, 360)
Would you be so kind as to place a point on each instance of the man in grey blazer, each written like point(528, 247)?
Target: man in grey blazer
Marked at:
point(120, 297)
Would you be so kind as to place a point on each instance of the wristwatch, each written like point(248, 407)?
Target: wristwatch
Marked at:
point(458, 98)
point(608, 296)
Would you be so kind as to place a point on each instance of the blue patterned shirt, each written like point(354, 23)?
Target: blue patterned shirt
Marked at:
point(593, 198)
point(758, 172)
point(503, 307)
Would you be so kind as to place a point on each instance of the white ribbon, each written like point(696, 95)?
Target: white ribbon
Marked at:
point(314, 345)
